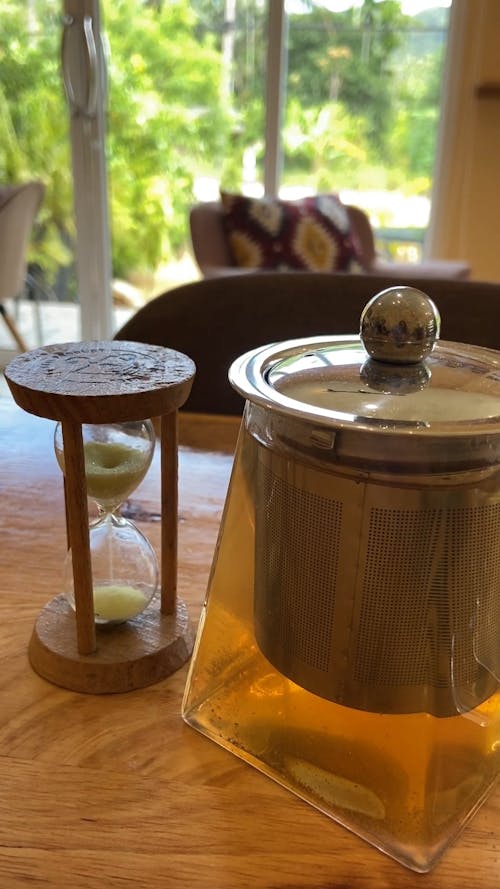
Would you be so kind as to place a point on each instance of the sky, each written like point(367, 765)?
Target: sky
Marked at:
point(408, 7)
point(411, 7)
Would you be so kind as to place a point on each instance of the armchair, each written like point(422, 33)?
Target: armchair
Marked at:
point(19, 205)
point(212, 254)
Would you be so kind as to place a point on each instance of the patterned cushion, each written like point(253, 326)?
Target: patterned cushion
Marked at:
point(312, 234)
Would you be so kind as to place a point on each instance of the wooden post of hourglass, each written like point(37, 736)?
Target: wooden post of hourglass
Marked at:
point(105, 383)
point(77, 519)
point(169, 511)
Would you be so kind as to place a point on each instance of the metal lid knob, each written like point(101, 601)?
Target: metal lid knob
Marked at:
point(400, 325)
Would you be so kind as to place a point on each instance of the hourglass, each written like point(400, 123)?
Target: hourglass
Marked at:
point(109, 631)
point(124, 564)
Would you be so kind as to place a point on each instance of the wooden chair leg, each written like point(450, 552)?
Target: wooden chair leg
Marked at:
point(11, 326)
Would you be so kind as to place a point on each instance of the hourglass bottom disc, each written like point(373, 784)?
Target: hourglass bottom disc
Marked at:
point(130, 655)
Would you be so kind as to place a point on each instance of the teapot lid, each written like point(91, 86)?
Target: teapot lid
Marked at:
point(394, 379)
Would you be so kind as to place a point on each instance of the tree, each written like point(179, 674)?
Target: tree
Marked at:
point(346, 57)
point(419, 68)
point(246, 74)
point(165, 119)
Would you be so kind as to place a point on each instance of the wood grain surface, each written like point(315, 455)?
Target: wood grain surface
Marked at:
point(112, 792)
point(101, 381)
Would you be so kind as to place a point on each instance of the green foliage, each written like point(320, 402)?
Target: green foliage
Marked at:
point(33, 124)
point(412, 139)
point(345, 56)
point(327, 142)
point(246, 77)
point(165, 117)
point(381, 72)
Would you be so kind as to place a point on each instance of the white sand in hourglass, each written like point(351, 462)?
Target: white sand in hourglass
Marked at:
point(113, 469)
point(118, 602)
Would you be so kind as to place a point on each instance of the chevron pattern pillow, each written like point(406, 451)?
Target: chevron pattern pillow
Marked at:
point(311, 234)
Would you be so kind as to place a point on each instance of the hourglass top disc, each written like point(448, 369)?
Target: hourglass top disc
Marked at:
point(101, 381)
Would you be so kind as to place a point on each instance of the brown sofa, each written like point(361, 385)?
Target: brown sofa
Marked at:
point(216, 320)
point(212, 254)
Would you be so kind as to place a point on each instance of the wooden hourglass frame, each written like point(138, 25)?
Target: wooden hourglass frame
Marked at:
point(105, 383)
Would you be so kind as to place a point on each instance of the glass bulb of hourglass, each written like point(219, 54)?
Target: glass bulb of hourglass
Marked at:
point(124, 564)
point(124, 570)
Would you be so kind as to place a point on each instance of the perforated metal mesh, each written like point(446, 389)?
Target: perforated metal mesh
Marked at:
point(298, 546)
point(430, 596)
point(390, 608)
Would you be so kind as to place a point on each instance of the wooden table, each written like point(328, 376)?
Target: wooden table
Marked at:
point(116, 791)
